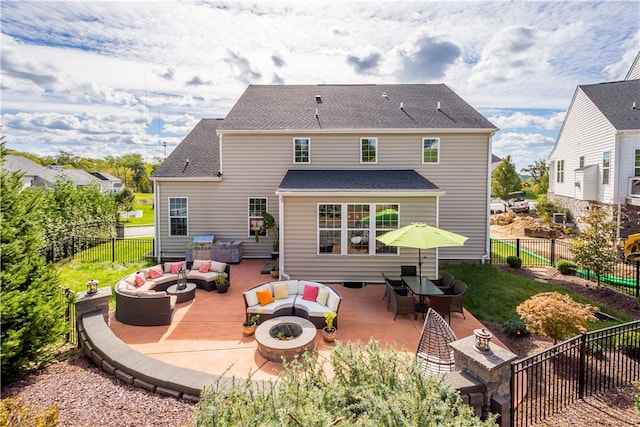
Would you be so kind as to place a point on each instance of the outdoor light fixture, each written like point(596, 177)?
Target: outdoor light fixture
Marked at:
point(482, 340)
point(92, 287)
point(182, 279)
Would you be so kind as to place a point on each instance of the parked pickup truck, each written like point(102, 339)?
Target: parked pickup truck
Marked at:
point(517, 202)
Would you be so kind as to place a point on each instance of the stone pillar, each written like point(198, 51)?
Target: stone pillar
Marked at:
point(494, 370)
point(87, 303)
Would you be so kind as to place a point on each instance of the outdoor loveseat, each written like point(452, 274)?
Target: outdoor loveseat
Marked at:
point(141, 299)
point(309, 300)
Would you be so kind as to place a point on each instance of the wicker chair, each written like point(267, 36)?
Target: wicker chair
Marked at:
point(396, 284)
point(457, 297)
point(408, 270)
point(445, 283)
point(441, 304)
point(433, 353)
point(401, 304)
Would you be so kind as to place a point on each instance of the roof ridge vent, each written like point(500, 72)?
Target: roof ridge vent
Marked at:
point(438, 106)
point(318, 99)
point(633, 107)
point(402, 105)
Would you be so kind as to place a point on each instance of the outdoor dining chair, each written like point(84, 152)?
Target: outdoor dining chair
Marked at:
point(445, 283)
point(433, 353)
point(457, 297)
point(396, 284)
point(401, 304)
point(441, 304)
point(408, 270)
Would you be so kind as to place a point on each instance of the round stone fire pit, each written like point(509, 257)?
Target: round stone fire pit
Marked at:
point(285, 337)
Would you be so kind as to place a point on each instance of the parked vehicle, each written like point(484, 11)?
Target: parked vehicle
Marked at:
point(517, 202)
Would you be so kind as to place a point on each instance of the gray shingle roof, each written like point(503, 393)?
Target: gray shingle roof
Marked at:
point(614, 100)
point(279, 107)
point(201, 148)
point(355, 180)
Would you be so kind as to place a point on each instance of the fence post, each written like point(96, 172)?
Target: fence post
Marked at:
point(518, 247)
point(582, 368)
point(637, 279)
point(553, 252)
point(113, 250)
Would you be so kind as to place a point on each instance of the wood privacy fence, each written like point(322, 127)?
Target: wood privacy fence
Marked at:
point(98, 249)
point(541, 252)
point(593, 362)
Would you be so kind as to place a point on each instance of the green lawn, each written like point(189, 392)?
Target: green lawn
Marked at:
point(494, 295)
point(143, 202)
point(501, 250)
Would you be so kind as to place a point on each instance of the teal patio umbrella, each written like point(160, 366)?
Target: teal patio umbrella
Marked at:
point(421, 236)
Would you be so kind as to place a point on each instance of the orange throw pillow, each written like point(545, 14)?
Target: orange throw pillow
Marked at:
point(175, 267)
point(204, 267)
point(265, 297)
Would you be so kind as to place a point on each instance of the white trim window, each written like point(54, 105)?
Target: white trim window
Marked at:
point(368, 150)
point(178, 216)
point(346, 228)
point(636, 164)
point(581, 160)
point(606, 164)
point(430, 150)
point(256, 206)
point(560, 171)
point(301, 150)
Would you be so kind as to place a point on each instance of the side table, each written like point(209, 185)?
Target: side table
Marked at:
point(183, 295)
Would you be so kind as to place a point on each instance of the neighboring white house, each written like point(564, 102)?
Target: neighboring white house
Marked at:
point(596, 158)
point(36, 175)
point(336, 165)
point(109, 182)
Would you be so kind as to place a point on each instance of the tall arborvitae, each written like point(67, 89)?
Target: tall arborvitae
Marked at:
point(32, 305)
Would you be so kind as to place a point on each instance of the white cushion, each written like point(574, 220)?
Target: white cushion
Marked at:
point(251, 297)
point(217, 266)
point(303, 283)
point(334, 300)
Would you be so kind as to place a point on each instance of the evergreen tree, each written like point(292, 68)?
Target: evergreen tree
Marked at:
point(32, 304)
point(595, 247)
point(505, 179)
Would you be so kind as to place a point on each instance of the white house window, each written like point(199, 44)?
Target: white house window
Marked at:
point(606, 157)
point(560, 171)
point(257, 205)
point(430, 150)
point(581, 162)
point(368, 150)
point(178, 216)
point(636, 165)
point(301, 150)
point(346, 228)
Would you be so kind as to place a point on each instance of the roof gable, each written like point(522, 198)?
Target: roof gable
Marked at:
point(615, 101)
point(342, 107)
point(198, 155)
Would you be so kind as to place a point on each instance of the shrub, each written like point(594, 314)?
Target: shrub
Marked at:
point(555, 315)
point(13, 412)
point(629, 344)
point(514, 261)
point(567, 267)
point(369, 387)
point(515, 328)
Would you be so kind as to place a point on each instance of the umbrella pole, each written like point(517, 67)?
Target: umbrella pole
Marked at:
point(419, 263)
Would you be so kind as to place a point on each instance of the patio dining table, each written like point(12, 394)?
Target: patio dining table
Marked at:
point(422, 287)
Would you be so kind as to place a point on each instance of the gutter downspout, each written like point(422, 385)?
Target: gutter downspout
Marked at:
point(281, 231)
point(156, 218)
point(617, 185)
point(487, 250)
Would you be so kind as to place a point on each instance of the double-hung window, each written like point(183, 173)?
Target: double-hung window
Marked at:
point(178, 216)
point(430, 150)
point(636, 164)
point(606, 162)
point(347, 228)
point(560, 171)
point(301, 150)
point(581, 162)
point(368, 150)
point(257, 205)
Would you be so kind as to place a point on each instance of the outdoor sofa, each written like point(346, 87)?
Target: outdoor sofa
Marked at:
point(141, 297)
point(302, 298)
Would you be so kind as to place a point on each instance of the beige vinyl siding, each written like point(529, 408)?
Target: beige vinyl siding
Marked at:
point(301, 237)
point(586, 132)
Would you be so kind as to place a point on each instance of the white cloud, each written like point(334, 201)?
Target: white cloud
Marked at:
point(524, 120)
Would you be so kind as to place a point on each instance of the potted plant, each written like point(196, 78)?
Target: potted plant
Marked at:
point(329, 332)
point(275, 270)
point(222, 283)
point(269, 223)
point(249, 327)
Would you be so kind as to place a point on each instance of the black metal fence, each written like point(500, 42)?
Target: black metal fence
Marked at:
point(541, 252)
point(98, 249)
point(593, 362)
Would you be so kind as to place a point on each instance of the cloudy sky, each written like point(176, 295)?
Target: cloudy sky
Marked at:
point(98, 78)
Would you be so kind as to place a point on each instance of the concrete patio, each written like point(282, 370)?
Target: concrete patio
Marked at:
point(206, 333)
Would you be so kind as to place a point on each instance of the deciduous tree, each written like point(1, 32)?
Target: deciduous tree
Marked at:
point(505, 179)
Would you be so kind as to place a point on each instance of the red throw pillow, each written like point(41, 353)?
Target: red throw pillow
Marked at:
point(155, 272)
point(175, 267)
point(310, 293)
point(140, 279)
point(204, 267)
